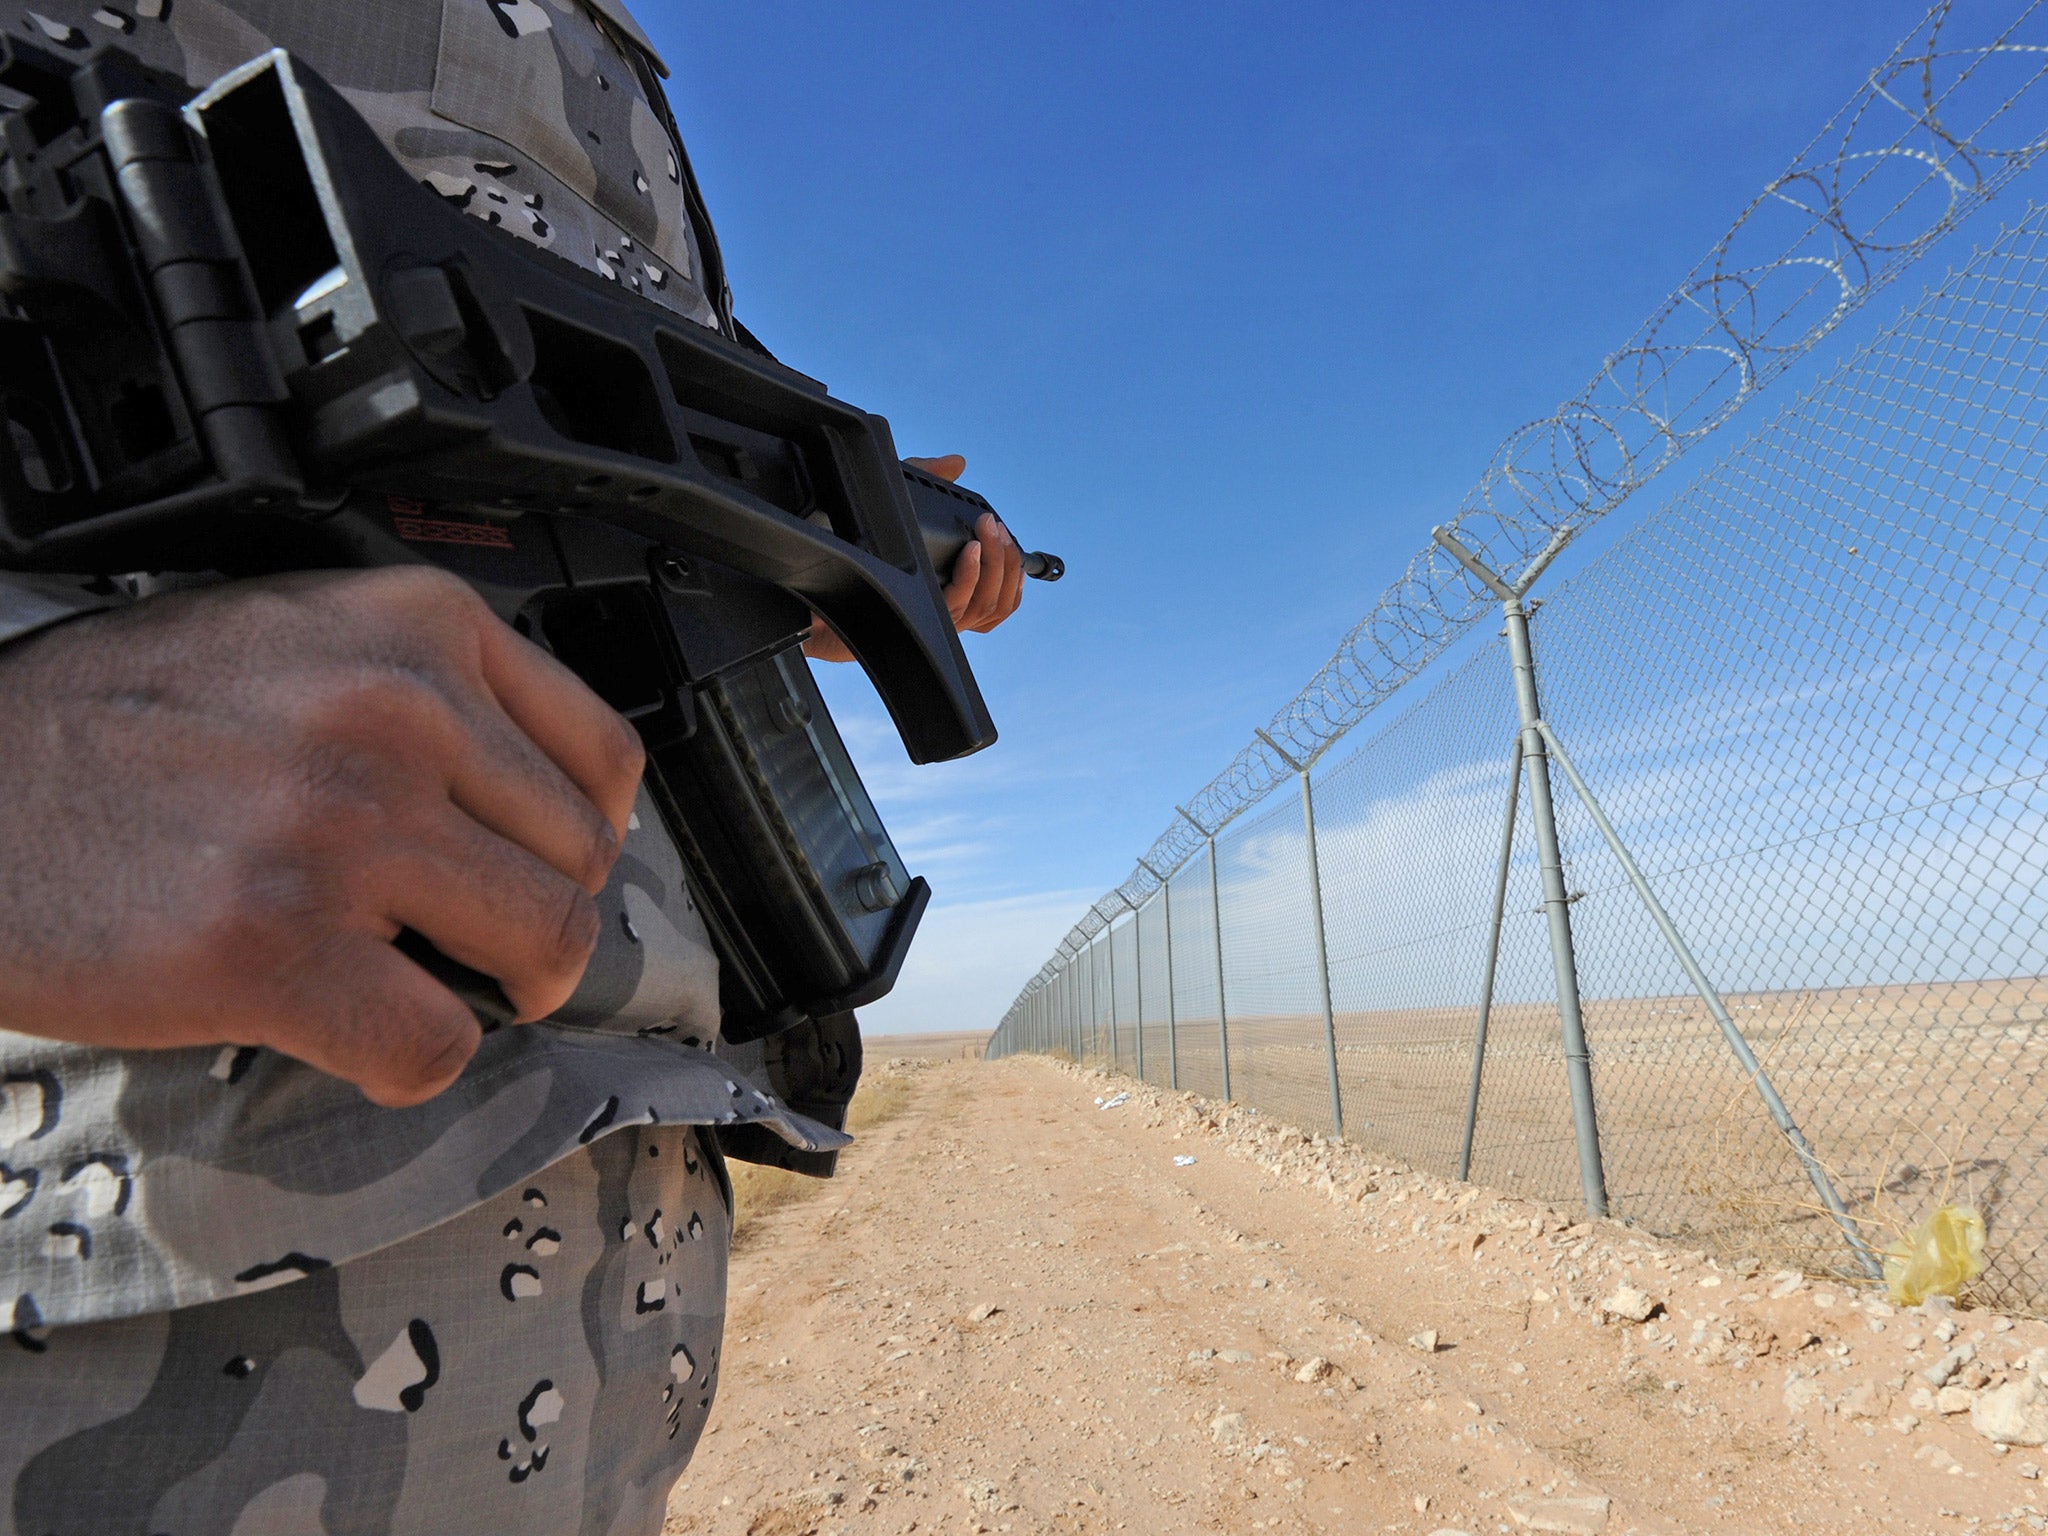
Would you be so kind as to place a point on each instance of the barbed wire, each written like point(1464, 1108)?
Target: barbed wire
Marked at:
point(1957, 109)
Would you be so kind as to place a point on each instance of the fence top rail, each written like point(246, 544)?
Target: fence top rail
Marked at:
point(1956, 110)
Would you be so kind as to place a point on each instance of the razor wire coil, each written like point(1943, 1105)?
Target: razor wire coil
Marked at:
point(1956, 110)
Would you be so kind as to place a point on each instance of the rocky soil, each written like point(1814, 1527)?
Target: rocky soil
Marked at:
point(1046, 1300)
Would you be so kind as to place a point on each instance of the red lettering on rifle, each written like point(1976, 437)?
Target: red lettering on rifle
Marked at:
point(441, 530)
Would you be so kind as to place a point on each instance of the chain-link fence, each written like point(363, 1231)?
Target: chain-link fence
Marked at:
point(1773, 974)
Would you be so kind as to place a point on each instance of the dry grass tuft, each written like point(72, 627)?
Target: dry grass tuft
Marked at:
point(881, 1097)
point(757, 1191)
point(1894, 1186)
point(883, 1094)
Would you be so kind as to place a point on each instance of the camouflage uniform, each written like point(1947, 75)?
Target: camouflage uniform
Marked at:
point(542, 1363)
point(244, 1300)
point(543, 117)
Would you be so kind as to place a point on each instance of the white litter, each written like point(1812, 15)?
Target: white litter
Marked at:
point(1113, 1100)
point(1183, 1162)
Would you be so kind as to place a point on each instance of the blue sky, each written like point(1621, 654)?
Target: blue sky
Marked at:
point(1228, 304)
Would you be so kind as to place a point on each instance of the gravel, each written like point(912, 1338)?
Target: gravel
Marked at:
point(1572, 1517)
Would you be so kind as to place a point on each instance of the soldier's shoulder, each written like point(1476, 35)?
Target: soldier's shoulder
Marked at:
point(543, 117)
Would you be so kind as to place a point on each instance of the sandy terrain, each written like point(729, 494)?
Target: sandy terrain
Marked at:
point(1016, 1311)
point(1910, 1095)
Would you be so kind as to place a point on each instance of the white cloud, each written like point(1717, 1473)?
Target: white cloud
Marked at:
point(969, 961)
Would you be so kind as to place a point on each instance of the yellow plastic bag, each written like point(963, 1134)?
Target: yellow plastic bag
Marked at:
point(1937, 1258)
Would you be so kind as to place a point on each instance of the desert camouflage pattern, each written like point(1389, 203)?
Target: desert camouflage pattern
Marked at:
point(243, 1300)
point(133, 1182)
point(136, 1182)
point(542, 1363)
point(29, 603)
point(543, 117)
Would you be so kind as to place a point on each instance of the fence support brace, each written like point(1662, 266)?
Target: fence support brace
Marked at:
point(1710, 995)
point(1556, 899)
point(1500, 907)
point(1315, 891)
point(1536, 744)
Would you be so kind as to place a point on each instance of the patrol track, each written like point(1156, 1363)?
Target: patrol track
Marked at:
point(867, 1390)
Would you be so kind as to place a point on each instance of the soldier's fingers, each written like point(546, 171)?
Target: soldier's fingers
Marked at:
point(504, 780)
point(493, 906)
point(456, 641)
point(582, 734)
point(1013, 576)
point(947, 466)
point(407, 745)
point(988, 588)
point(961, 585)
point(366, 1013)
point(823, 642)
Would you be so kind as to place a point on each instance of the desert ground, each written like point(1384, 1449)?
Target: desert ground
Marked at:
point(1912, 1096)
point(1042, 1298)
point(948, 1045)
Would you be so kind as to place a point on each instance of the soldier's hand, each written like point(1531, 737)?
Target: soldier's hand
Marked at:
point(984, 588)
point(217, 809)
point(987, 582)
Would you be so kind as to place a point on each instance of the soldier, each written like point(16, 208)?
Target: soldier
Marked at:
point(286, 1245)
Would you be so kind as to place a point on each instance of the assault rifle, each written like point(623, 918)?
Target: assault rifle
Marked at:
point(238, 337)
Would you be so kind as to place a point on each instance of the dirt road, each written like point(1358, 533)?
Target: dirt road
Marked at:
point(1017, 1311)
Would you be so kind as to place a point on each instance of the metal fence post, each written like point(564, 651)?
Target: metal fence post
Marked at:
point(1138, 970)
point(1061, 1014)
point(1071, 988)
point(1074, 1012)
point(1557, 910)
point(1084, 1003)
point(1172, 1027)
point(1061, 1002)
point(1116, 1043)
point(1578, 1064)
point(1084, 1018)
point(1084, 1035)
point(1315, 891)
point(1216, 925)
point(1095, 998)
point(1172, 1041)
point(1084, 996)
point(1094, 1001)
